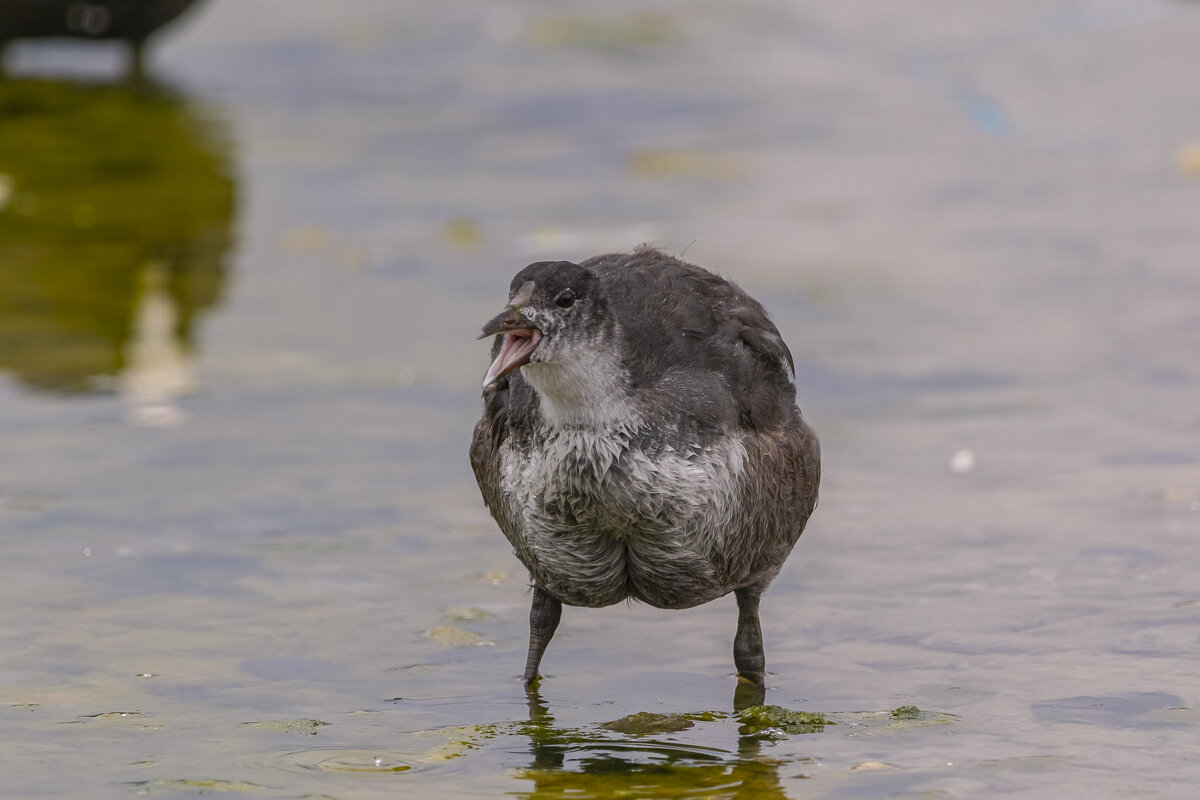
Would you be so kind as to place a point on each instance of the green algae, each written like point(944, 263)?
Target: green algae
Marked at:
point(451, 634)
point(637, 33)
point(288, 725)
point(644, 723)
point(196, 785)
point(899, 719)
point(459, 739)
point(114, 715)
point(464, 614)
point(757, 719)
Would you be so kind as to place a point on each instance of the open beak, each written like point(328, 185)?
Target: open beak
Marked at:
point(519, 340)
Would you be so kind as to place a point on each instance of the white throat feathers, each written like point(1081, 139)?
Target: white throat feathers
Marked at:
point(588, 392)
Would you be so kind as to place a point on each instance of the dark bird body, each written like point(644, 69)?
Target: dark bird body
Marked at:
point(640, 439)
point(132, 21)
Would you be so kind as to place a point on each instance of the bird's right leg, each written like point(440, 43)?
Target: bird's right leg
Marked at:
point(544, 615)
point(748, 643)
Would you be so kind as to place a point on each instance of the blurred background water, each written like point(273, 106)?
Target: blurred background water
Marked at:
point(240, 546)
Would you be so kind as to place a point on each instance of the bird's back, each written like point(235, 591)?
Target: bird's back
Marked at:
point(682, 322)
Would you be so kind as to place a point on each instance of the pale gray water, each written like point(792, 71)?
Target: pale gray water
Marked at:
point(976, 227)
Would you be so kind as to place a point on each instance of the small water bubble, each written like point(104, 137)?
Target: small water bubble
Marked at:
point(962, 462)
point(495, 577)
point(87, 552)
point(1195, 506)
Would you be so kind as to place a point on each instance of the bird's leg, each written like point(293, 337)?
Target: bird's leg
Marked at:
point(137, 60)
point(544, 615)
point(748, 644)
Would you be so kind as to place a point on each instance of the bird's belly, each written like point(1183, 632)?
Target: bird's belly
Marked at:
point(599, 566)
point(645, 529)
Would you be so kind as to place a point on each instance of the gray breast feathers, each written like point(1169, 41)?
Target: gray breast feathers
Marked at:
point(602, 517)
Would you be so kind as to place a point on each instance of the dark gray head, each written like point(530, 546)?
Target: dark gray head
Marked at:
point(555, 312)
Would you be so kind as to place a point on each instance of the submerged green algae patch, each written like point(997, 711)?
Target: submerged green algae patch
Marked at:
point(757, 719)
point(450, 636)
point(465, 614)
point(644, 723)
point(288, 725)
point(130, 720)
point(458, 740)
point(195, 785)
point(898, 719)
point(638, 33)
point(911, 716)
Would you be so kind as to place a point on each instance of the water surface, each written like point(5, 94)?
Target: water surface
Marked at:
point(240, 546)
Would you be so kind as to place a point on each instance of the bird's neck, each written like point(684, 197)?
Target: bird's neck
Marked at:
point(591, 394)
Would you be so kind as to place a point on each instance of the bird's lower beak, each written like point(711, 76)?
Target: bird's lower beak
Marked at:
point(519, 339)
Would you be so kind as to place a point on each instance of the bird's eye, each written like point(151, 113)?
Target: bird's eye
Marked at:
point(565, 299)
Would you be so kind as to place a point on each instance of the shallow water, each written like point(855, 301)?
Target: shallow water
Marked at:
point(240, 547)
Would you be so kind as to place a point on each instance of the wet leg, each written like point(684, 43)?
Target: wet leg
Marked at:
point(543, 619)
point(748, 644)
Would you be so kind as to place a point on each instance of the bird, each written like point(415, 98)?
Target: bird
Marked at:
point(640, 440)
point(132, 21)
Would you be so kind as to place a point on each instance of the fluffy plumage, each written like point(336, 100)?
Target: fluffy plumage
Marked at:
point(640, 439)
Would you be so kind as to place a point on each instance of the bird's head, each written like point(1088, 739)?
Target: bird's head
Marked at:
point(555, 313)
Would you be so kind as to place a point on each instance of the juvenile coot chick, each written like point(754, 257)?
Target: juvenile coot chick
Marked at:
point(640, 439)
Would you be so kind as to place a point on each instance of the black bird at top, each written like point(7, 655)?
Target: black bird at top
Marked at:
point(640, 439)
point(132, 21)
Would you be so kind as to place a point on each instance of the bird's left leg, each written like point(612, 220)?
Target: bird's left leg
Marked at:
point(748, 644)
point(544, 615)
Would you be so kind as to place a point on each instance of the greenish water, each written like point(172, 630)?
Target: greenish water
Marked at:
point(105, 187)
point(241, 552)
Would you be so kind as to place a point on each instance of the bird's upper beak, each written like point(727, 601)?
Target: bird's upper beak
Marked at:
point(519, 340)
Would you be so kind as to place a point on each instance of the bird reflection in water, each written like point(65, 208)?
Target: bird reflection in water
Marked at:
point(575, 763)
point(116, 213)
